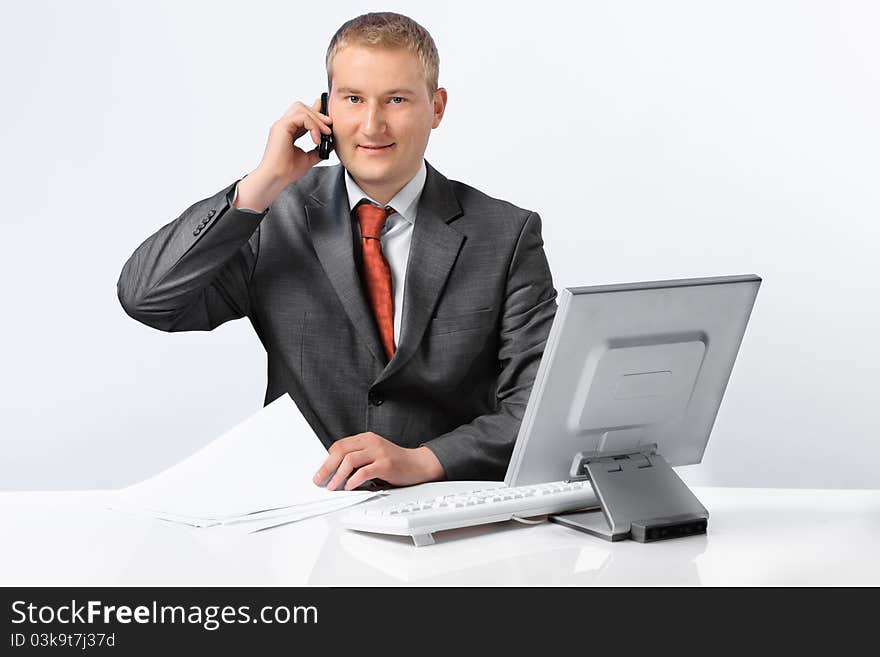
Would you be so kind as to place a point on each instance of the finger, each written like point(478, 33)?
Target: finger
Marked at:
point(327, 468)
point(316, 121)
point(317, 109)
point(315, 129)
point(296, 111)
point(350, 443)
point(351, 462)
point(310, 125)
point(290, 127)
point(334, 457)
point(299, 114)
point(321, 123)
point(315, 112)
point(340, 448)
point(289, 111)
point(363, 474)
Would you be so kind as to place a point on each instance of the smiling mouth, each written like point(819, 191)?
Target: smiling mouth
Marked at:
point(377, 148)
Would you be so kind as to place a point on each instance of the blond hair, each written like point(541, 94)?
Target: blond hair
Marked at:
point(386, 29)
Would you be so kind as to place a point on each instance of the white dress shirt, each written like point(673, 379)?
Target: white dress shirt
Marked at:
point(396, 234)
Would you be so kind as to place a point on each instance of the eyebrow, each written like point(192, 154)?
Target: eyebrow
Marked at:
point(348, 90)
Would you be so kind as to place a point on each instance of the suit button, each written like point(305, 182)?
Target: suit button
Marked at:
point(375, 400)
point(197, 231)
point(211, 214)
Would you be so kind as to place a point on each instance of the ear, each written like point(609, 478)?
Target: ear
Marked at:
point(439, 106)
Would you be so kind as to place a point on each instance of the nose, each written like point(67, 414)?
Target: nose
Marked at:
point(374, 122)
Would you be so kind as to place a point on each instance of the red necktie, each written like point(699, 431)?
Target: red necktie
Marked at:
point(377, 273)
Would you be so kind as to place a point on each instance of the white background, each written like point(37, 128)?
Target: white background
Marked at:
point(656, 140)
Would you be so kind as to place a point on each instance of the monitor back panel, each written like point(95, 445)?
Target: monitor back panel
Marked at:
point(628, 366)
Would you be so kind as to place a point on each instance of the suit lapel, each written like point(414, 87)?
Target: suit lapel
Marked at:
point(433, 250)
point(432, 253)
point(329, 219)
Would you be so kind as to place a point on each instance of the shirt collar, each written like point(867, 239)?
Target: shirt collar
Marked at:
point(405, 202)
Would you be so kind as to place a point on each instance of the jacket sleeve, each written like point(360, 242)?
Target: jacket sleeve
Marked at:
point(481, 449)
point(193, 273)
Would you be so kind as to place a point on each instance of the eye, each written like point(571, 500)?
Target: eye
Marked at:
point(350, 97)
point(402, 100)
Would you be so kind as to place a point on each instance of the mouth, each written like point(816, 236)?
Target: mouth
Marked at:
point(376, 148)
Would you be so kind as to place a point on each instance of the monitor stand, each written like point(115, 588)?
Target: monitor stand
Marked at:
point(641, 498)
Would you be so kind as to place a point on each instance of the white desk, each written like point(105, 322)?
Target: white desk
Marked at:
point(756, 537)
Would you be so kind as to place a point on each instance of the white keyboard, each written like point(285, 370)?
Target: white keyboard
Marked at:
point(419, 518)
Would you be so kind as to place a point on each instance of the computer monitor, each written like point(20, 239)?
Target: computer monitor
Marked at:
point(630, 384)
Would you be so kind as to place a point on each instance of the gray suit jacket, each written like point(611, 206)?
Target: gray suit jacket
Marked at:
point(478, 305)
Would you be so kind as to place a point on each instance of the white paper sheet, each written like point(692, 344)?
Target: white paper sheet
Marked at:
point(261, 522)
point(265, 464)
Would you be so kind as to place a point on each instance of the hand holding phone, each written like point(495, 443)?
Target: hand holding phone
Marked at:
point(283, 161)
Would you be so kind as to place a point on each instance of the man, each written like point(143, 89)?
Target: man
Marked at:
point(404, 313)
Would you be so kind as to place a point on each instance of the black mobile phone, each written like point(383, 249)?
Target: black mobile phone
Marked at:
point(326, 144)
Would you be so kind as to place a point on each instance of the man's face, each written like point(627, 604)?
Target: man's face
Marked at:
point(380, 99)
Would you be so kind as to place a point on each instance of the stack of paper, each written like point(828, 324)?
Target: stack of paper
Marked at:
point(257, 475)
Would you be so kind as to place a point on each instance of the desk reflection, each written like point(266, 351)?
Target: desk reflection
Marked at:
point(505, 554)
